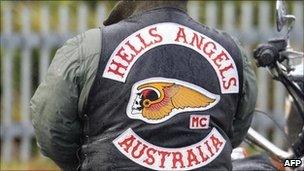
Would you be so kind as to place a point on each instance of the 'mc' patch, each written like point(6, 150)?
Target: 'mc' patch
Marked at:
point(135, 45)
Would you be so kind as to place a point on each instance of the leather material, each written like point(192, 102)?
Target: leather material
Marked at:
point(106, 117)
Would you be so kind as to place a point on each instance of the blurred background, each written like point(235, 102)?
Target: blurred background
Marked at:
point(31, 31)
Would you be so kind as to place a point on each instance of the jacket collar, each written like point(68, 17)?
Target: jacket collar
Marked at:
point(125, 9)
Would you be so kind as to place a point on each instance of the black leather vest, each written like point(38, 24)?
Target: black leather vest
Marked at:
point(164, 96)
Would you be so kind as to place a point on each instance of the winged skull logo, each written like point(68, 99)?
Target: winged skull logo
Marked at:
point(158, 99)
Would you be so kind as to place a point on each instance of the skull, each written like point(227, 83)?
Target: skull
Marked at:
point(137, 108)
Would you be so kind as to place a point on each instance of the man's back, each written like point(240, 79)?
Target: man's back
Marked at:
point(166, 96)
point(160, 75)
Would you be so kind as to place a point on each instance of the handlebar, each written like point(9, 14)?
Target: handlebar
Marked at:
point(266, 55)
point(260, 141)
point(271, 55)
point(297, 78)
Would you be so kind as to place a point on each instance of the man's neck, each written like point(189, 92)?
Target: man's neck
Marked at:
point(141, 6)
point(124, 9)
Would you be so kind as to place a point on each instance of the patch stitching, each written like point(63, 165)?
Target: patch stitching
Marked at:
point(168, 164)
point(135, 91)
point(199, 126)
point(126, 53)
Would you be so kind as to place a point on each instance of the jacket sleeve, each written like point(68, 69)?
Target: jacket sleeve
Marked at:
point(54, 106)
point(244, 115)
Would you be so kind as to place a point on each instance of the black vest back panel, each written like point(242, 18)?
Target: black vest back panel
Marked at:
point(164, 96)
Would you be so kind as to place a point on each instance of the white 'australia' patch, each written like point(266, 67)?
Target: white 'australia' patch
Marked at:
point(159, 158)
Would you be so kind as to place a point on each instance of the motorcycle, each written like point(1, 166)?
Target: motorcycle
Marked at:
point(278, 56)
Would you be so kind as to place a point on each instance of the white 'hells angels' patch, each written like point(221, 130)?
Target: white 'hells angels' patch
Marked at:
point(160, 158)
point(156, 100)
point(135, 45)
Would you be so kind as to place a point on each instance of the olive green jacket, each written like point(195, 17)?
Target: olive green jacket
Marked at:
point(59, 100)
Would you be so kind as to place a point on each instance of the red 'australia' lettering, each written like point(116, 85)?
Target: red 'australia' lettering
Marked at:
point(159, 158)
point(209, 148)
point(127, 143)
point(141, 152)
point(150, 158)
point(163, 155)
point(216, 142)
point(177, 158)
point(202, 154)
point(192, 158)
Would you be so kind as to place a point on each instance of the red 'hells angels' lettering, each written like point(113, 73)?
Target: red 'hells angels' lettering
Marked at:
point(135, 45)
point(159, 158)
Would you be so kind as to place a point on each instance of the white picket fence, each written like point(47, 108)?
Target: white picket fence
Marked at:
point(242, 26)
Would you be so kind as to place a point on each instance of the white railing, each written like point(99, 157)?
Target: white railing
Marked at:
point(252, 25)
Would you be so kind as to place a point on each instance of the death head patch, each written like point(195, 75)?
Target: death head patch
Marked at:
point(156, 100)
